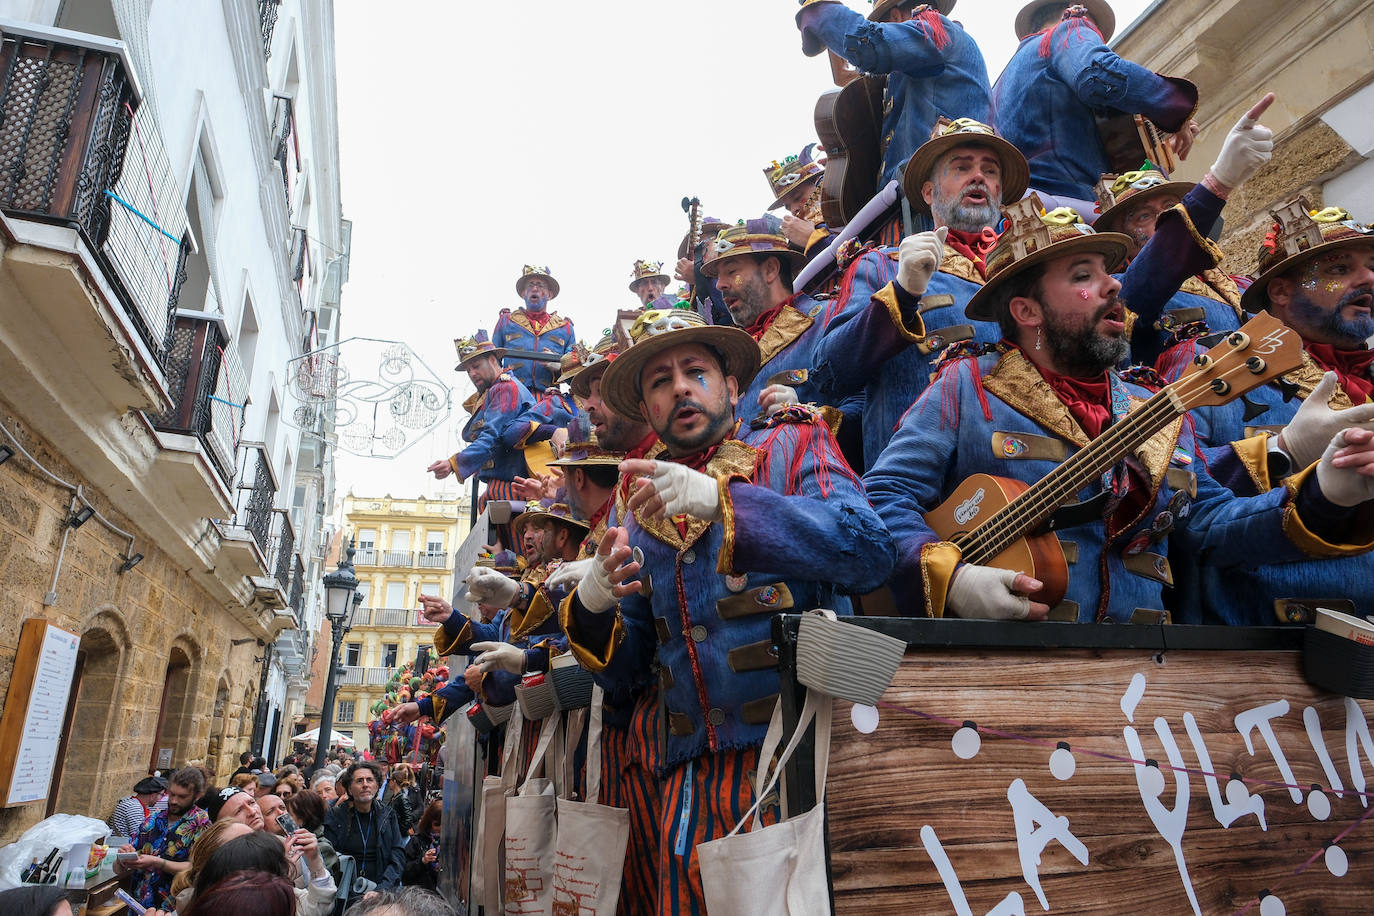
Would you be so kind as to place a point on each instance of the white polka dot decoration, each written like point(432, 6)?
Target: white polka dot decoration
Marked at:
point(1062, 763)
point(1272, 906)
point(966, 742)
point(1318, 804)
point(1336, 862)
point(865, 719)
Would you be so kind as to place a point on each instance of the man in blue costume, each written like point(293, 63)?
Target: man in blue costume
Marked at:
point(504, 423)
point(899, 308)
point(734, 524)
point(934, 69)
point(1317, 276)
point(1046, 393)
point(1061, 75)
point(534, 328)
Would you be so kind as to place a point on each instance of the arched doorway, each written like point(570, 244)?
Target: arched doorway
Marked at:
point(176, 685)
point(76, 778)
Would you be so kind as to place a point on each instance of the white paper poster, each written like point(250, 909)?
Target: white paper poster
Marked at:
point(52, 685)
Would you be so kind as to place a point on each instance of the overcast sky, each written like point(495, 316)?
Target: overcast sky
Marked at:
point(476, 138)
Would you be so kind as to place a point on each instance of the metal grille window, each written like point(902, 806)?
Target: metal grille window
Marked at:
point(285, 149)
point(208, 389)
point(257, 514)
point(267, 23)
point(344, 711)
point(286, 550)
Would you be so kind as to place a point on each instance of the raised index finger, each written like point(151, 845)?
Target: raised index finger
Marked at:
point(1253, 115)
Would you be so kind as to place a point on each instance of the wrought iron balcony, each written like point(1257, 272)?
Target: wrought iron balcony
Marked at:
point(267, 23)
point(298, 590)
point(429, 560)
point(393, 617)
point(77, 149)
point(356, 676)
point(285, 149)
point(284, 547)
point(365, 556)
point(208, 388)
point(396, 558)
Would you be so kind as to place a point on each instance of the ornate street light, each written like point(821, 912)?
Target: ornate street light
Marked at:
point(340, 587)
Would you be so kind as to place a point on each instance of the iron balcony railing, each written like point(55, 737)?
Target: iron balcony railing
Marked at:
point(256, 494)
point(208, 388)
point(298, 589)
point(77, 149)
point(396, 558)
point(364, 677)
point(284, 547)
point(387, 617)
point(284, 149)
point(267, 23)
point(437, 560)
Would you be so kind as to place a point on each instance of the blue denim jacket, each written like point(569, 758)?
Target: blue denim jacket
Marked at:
point(923, 82)
point(788, 343)
point(504, 419)
point(513, 329)
point(1044, 105)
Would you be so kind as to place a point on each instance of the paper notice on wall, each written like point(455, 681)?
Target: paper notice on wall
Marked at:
point(43, 720)
point(463, 562)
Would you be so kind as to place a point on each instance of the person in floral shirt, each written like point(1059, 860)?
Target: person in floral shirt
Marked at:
point(164, 842)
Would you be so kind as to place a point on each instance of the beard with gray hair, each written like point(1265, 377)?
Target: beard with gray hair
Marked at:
point(954, 213)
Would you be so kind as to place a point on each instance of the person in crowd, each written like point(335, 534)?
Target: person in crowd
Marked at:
point(717, 508)
point(411, 901)
point(796, 186)
point(164, 841)
point(309, 809)
point(322, 784)
point(234, 804)
point(248, 782)
point(38, 901)
point(403, 795)
point(535, 329)
point(272, 807)
point(361, 827)
point(297, 861)
point(245, 764)
point(648, 282)
point(132, 811)
point(1049, 390)
point(934, 69)
point(1061, 77)
point(209, 842)
point(258, 892)
point(422, 852)
point(267, 784)
point(287, 786)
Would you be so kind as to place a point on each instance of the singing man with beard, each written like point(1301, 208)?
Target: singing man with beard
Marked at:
point(1316, 274)
point(1046, 392)
point(533, 327)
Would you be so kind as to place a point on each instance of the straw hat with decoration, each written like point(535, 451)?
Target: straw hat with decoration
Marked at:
point(947, 135)
point(751, 238)
point(1117, 195)
point(582, 449)
point(531, 272)
point(661, 329)
point(1300, 232)
point(1033, 237)
point(647, 270)
point(594, 363)
point(478, 345)
point(1098, 10)
point(783, 177)
point(552, 511)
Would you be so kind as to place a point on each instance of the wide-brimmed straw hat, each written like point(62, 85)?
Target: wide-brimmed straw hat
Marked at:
point(751, 238)
point(783, 177)
point(662, 329)
point(1118, 194)
point(531, 272)
point(1099, 10)
point(546, 509)
point(582, 449)
point(647, 270)
point(478, 345)
point(1300, 232)
point(948, 134)
point(1033, 237)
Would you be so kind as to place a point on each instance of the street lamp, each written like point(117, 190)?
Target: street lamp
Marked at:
point(340, 586)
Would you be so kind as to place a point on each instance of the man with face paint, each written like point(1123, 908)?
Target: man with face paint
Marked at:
point(1316, 273)
point(934, 69)
point(533, 327)
point(733, 524)
point(753, 268)
point(901, 307)
point(1133, 204)
point(1048, 390)
point(649, 284)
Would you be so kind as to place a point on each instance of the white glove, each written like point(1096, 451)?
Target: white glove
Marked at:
point(1248, 146)
point(686, 492)
point(776, 397)
point(1342, 486)
point(499, 656)
point(594, 591)
point(487, 586)
point(919, 258)
point(1309, 432)
point(984, 592)
point(568, 574)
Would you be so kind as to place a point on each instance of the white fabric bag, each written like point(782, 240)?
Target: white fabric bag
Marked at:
point(487, 886)
point(592, 838)
point(778, 870)
point(531, 833)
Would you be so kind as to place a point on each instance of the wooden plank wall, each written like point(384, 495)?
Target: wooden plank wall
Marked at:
point(886, 788)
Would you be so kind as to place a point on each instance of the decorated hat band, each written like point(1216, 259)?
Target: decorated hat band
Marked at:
point(474, 347)
point(534, 272)
point(1298, 233)
point(750, 238)
point(1118, 195)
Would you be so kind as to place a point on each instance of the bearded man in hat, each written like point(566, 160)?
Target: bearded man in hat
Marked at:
point(1316, 274)
point(901, 307)
point(1062, 74)
point(649, 284)
point(746, 522)
point(504, 422)
point(753, 269)
point(1049, 390)
point(934, 69)
point(534, 328)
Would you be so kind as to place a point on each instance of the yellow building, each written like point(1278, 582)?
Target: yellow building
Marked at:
point(405, 549)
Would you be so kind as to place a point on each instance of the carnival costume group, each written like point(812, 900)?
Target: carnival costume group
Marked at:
point(754, 445)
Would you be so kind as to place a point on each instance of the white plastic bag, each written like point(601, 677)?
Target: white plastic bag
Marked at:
point(61, 830)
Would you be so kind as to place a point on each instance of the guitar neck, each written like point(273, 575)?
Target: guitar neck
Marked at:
point(1033, 508)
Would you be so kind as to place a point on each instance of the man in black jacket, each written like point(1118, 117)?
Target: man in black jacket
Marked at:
point(362, 827)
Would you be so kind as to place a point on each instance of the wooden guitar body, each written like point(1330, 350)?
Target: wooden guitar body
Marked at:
point(1130, 139)
point(849, 123)
point(981, 496)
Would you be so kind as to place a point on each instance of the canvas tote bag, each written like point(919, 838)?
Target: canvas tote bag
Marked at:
point(531, 832)
point(777, 870)
point(487, 885)
point(592, 838)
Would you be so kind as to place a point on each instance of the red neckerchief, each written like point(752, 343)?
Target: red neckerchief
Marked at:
point(600, 514)
point(973, 245)
point(1351, 368)
point(639, 451)
point(1088, 400)
point(538, 319)
point(764, 321)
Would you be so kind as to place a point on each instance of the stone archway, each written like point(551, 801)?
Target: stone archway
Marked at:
point(79, 785)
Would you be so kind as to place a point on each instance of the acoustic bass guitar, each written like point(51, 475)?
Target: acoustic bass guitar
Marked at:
point(849, 122)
